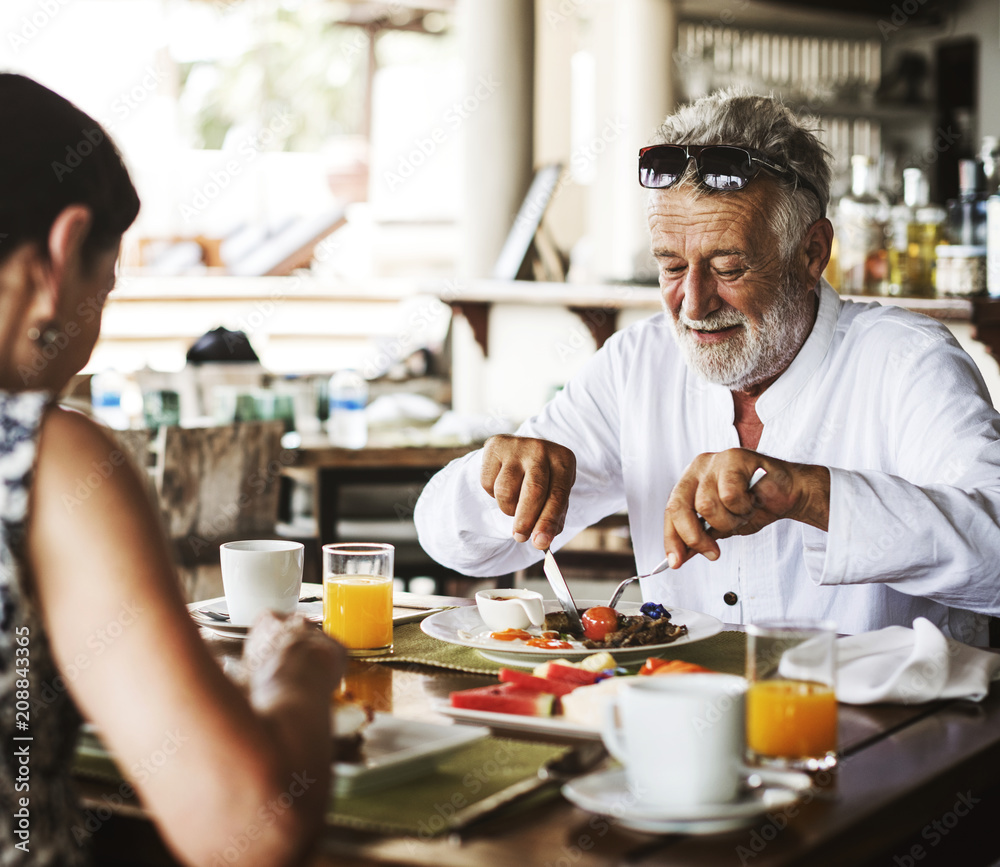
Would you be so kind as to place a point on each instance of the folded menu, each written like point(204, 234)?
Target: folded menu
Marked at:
point(911, 666)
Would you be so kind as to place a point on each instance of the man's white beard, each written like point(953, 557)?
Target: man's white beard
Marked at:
point(749, 356)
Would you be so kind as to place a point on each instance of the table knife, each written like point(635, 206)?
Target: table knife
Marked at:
point(561, 589)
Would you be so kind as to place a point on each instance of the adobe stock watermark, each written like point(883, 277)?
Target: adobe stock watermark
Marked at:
point(101, 471)
point(263, 310)
point(59, 340)
point(775, 822)
point(245, 153)
point(934, 832)
point(597, 827)
point(123, 105)
point(129, 100)
point(258, 483)
point(76, 153)
point(266, 816)
point(95, 817)
point(97, 644)
point(361, 36)
point(901, 13)
point(441, 813)
point(424, 147)
point(32, 24)
point(581, 160)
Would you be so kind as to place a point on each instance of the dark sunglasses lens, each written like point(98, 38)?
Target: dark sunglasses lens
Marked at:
point(661, 167)
point(725, 168)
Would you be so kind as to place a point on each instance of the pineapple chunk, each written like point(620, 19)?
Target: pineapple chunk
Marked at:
point(598, 661)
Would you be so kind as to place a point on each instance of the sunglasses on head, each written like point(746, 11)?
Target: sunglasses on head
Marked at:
point(719, 167)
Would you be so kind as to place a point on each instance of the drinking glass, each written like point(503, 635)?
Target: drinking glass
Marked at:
point(357, 596)
point(791, 702)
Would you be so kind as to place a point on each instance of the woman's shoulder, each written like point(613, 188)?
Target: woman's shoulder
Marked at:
point(76, 437)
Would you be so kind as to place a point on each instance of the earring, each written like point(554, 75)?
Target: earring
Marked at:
point(44, 338)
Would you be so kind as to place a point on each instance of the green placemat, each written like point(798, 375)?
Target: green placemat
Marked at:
point(445, 800)
point(437, 802)
point(725, 652)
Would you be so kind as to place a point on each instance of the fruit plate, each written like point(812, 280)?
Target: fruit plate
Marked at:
point(465, 627)
point(540, 725)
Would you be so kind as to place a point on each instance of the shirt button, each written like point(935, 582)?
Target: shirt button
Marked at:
point(730, 598)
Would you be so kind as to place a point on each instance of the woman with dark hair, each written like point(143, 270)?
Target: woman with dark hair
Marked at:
point(91, 615)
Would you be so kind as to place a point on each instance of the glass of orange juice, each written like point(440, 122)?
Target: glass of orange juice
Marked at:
point(791, 699)
point(357, 596)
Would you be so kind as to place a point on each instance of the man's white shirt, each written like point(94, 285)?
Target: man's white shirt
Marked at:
point(885, 398)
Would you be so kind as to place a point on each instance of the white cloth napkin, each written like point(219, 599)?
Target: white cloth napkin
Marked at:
point(911, 666)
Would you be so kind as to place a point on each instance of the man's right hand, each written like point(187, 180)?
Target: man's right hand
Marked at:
point(531, 480)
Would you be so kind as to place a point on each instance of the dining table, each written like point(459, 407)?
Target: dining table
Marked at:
point(914, 784)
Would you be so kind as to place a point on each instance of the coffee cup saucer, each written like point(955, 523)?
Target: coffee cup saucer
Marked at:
point(607, 792)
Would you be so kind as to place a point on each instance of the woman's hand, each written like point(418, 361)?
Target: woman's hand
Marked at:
point(289, 652)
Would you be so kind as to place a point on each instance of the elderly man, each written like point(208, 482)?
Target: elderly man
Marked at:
point(880, 443)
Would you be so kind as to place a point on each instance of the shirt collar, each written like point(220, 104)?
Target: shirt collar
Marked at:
point(808, 359)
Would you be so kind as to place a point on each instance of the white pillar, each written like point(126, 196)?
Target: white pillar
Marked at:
point(499, 56)
point(634, 42)
point(497, 140)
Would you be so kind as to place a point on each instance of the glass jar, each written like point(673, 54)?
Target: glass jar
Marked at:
point(961, 270)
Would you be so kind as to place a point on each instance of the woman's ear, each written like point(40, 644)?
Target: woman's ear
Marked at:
point(66, 239)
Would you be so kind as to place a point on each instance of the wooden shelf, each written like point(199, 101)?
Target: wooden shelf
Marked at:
point(598, 305)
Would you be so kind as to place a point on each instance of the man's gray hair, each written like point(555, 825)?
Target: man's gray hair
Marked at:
point(738, 117)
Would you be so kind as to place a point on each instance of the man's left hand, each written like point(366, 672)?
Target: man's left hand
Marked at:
point(714, 487)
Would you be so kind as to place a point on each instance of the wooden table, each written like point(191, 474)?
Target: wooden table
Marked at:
point(899, 797)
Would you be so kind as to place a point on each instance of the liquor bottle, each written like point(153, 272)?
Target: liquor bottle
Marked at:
point(990, 155)
point(861, 218)
point(915, 232)
point(966, 223)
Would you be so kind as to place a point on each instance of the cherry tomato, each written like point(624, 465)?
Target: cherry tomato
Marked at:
point(549, 643)
point(599, 621)
point(511, 635)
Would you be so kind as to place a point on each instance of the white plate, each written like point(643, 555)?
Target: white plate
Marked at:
point(607, 793)
point(397, 749)
point(464, 626)
point(545, 725)
point(312, 611)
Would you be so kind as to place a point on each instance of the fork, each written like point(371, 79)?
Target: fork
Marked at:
point(663, 564)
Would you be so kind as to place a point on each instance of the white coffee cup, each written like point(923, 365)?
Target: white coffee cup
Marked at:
point(681, 738)
point(510, 609)
point(261, 575)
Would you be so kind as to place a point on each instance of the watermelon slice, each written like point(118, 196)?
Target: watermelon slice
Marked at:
point(536, 684)
point(568, 673)
point(505, 698)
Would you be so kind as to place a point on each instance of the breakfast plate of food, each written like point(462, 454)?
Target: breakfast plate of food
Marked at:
point(629, 632)
point(558, 697)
